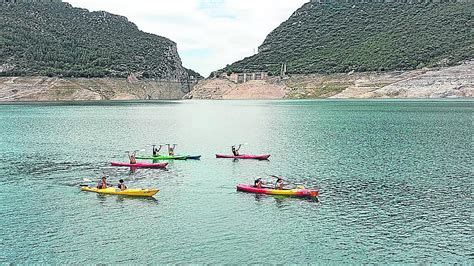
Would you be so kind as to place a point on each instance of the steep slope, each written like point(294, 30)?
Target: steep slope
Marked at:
point(343, 37)
point(57, 39)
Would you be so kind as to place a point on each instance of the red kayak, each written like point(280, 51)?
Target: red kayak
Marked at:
point(141, 165)
point(245, 156)
point(300, 191)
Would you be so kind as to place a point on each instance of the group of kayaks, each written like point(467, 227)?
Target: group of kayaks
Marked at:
point(182, 157)
point(299, 191)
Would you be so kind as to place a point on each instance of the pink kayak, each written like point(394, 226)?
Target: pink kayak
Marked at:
point(141, 165)
point(297, 192)
point(245, 156)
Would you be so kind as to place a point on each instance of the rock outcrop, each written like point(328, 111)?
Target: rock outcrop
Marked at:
point(76, 89)
point(457, 81)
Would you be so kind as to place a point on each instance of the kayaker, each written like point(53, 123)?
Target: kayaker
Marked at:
point(236, 151)
point(102, 184)
point(171, 149)
point(156, 151)
point(258, 182)
point(121, 185)
point(279, 183)
point(132, 158)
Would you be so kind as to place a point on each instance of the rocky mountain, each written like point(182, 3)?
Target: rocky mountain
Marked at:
point(51, 38)
point(361, 36)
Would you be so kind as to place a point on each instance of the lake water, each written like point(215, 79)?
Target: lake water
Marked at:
point(395, 180)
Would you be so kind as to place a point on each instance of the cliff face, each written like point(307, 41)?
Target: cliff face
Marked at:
point(339, 36)
point(50, 51)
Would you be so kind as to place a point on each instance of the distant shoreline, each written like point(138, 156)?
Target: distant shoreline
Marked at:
point(449, 82)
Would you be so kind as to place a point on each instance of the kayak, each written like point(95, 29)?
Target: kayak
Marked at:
point(245, 156)
point(167, 157)
point(298, 192)
point(141, 165)
point(137, 192)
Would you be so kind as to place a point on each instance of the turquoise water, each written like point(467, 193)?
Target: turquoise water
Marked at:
point(395, 179)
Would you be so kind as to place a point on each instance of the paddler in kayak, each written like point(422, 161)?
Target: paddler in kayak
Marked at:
point(236, 151)
point(171, 149)
point(132, 158)
point(258, 182)
point(102, 184)
point(279, 183)
point(156, 151)
point(121, 185)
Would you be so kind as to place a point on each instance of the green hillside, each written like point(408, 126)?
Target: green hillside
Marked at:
point(343, 37)
point(58, 40)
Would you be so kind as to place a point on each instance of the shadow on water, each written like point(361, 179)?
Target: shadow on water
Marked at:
point(123, 198)
point(235, 160)
point(280, 200)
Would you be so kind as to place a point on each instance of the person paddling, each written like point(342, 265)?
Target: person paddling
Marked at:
point(279, 183)
point(102, 184)
point(171, 149)
point(258, 182)
point(236, 151)
point(156, 151)
point(132, 158)
point(122, 185)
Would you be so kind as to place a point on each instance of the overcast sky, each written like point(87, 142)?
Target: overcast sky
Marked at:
point(209, 33)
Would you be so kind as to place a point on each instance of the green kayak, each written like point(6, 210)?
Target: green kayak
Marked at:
point(168, 157)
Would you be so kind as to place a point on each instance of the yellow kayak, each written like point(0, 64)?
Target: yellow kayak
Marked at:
point(137, 192)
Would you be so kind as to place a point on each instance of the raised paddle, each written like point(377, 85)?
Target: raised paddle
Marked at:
point(241, 144)
point(280, 178)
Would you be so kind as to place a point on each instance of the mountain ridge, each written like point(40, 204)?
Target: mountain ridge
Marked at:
point(57, 39)
point(339, 37)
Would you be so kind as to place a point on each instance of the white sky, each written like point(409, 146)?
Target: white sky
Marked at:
point(209, 33)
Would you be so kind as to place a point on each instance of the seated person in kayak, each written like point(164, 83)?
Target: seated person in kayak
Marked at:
point(279, 184)
point(132, 158)
point(236, 151)
point(156, 151)
point(102, 183)
point(121, 185)
point(258, 182)
point(171, 149)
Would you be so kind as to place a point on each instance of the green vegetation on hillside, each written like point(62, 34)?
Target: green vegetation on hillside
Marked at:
point(59, 40)
point(344, 37)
